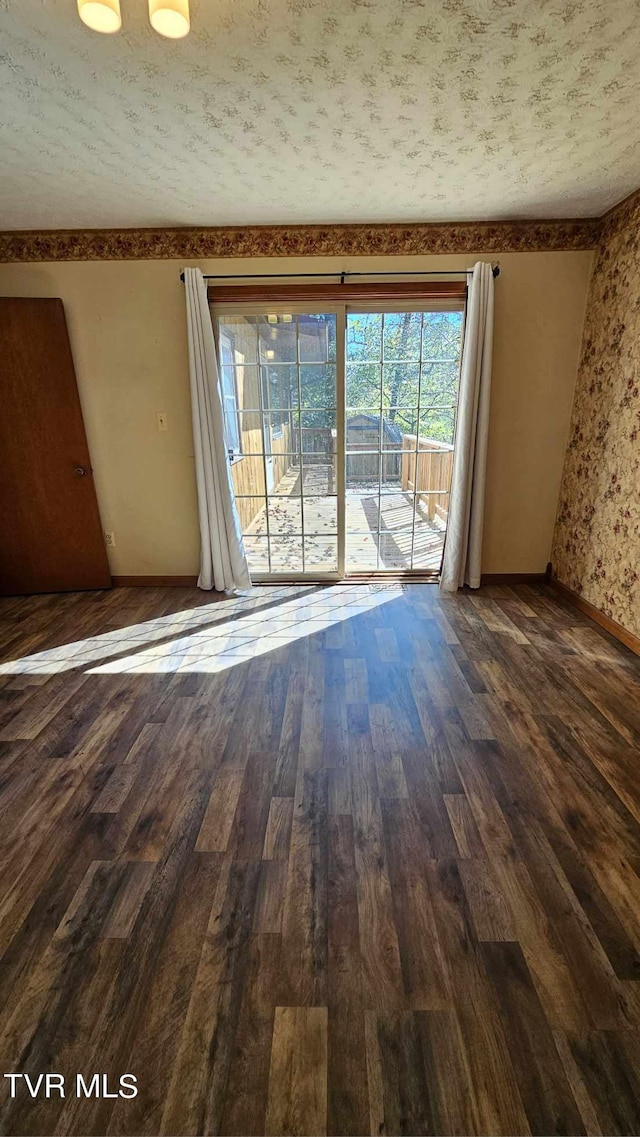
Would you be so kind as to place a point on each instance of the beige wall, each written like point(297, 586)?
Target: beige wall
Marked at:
point(128, 334)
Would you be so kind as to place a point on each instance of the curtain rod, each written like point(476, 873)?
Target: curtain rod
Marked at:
point(342, 274)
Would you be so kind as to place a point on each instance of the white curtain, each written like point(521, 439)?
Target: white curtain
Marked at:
point(463, 543)
point(223, 564)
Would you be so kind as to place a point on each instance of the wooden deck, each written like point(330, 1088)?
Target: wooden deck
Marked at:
point(396, 547)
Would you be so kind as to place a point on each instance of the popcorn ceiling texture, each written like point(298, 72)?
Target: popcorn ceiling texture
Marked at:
point(596, 547)
point(327, 111)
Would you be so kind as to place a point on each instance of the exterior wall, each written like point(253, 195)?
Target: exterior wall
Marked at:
point(248, 472)
point(128, 334)
point(596, 546)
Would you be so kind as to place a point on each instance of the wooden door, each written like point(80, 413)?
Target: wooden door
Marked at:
point(52, 538)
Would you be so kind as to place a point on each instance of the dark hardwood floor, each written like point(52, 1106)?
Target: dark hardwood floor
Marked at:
point(345, 860)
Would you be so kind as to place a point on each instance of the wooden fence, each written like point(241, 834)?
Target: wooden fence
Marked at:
point(427, 466)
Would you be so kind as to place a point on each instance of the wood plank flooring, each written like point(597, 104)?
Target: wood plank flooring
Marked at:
point(343, 860)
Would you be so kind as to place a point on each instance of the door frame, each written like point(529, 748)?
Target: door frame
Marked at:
point(273, 298)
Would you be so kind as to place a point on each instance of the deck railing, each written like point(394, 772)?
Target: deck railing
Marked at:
point(421, 464)
point(427, 466)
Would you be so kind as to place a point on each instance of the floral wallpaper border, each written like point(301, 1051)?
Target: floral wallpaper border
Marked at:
point(299, 240)
point(623, 215)
point(596, 543)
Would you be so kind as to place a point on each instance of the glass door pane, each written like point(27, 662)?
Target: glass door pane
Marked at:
point(402, 372)
point(282, 369)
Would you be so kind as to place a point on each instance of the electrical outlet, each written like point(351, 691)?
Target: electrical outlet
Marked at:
point(161, 419)
point(109, 538)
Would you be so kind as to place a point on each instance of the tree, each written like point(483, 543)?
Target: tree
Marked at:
point(401, 365)
point(406, 365)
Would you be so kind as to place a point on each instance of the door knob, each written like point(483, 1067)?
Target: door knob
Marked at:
point(80, 471)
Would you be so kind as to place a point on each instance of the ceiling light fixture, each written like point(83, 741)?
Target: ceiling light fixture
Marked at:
point(101, 15)
point(170, 18)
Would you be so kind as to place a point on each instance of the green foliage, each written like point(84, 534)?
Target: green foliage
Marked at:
point(401, 365)
point(405, 365)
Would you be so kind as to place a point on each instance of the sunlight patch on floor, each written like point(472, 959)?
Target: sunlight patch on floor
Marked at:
point(134, 636)
point(209, 638)
point(258, 633)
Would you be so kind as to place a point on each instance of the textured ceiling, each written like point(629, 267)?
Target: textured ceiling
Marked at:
point(282, 111)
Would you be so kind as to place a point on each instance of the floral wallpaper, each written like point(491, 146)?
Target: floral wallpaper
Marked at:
point(298, 240)
point(321, 112)
point(596, 547)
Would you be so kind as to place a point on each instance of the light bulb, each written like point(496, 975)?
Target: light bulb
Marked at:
point(101, 15)
point(170, 18)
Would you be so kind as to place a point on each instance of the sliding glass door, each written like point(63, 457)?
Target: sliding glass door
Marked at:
point(340, 428)
point(401, 391)
point(280, 378)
